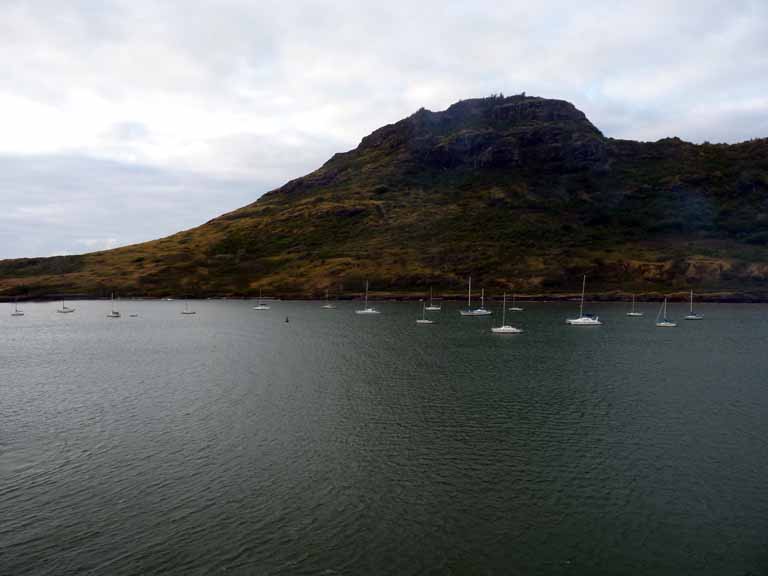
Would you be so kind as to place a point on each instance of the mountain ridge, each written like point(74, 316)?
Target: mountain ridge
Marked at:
point(523, 192)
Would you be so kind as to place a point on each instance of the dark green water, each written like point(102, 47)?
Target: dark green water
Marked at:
point(234, 442)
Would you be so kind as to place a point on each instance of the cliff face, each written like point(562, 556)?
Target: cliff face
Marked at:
point(522, 192)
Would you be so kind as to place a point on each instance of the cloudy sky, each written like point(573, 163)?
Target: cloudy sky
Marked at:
point(123, 121)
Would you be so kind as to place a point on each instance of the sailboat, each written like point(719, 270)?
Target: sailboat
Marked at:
point(432, 307)
point(65, 309)
point(367, 309)
point(505, 328)
point(187, 310)
point(634, 312)
point(328, 305)
point(514, 308)
point(584, 319)
point(661, 318)
point(260, 305)
point(692, 315)
point(114, 313)
point(423, 319)
point(477, 311)
point(16, 311)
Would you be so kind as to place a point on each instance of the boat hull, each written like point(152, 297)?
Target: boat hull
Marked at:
point(478, 312)
point(583, 321)
point(506, 330)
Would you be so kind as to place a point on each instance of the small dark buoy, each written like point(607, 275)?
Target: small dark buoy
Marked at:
point(286, 319)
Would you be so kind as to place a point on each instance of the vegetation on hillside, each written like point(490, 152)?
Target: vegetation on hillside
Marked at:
point(523, 193)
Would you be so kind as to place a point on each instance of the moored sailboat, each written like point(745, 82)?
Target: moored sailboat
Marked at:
point(16, 311)
point(367, 309)
point(634, 312)
point(691, 314)
point(113, 313)
point(432, 307)
point(661, 318)
point(260, 305)
point(328, 305)
point(477, 311)
point(514, 307)
point(424, 319)
point(505, 328)
point(584, 319)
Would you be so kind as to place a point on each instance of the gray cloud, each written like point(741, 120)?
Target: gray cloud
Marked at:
point(127, 120)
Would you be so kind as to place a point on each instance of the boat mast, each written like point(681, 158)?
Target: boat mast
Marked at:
point(581, 306)
point(469, 295)
point(691, 302)
point(366, 294)
point(504, 310)
point(482, 299)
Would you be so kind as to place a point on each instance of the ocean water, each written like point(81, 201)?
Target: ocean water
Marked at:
point(235, 442)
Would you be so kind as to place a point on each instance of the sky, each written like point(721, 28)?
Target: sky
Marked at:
point(125, 121)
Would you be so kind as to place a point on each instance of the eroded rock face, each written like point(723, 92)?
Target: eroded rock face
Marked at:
point(514, 133)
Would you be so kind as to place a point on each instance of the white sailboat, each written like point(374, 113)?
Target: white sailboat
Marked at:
point(16, 311)
point(260, 305)
point(505, 328)
point(328, 305)
point(114, 313)
point(514, 308)
point(477, 311)
point(692, 315)
point(367, 309)
point(584, 319)
point(633, 312)
point(187, 310)
point(65, 309)
point(432, 307)
point(423, 319)
point(661, 318)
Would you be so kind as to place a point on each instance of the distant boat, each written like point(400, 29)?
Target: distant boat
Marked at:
point(65, 309)
point(505, 328)
point(634, 312)
point(584, 319)
point(260, 305)
point(692, 315)
point(328, 305)
point(134, 315)
point(423, 319)
point(661, 318)
point(187, 310)
point(514, 308)
point(114, 313)
point(366, 309)
point(16, 311)
point(432, 307)
point(477, 311)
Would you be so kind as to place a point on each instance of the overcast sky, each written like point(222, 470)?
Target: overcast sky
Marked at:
point(123, 121)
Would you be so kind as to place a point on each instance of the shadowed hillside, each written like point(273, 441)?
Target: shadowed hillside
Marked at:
point(523, 193)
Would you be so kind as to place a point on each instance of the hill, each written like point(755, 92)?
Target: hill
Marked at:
point(524, 193)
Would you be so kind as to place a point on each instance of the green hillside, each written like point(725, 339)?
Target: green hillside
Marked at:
point(523, 193)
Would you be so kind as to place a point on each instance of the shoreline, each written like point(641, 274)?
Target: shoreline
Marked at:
point(676, 296)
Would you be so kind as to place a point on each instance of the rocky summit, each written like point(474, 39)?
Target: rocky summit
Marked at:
point(523, 193)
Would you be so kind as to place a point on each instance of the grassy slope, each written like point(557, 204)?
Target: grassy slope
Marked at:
point(436, 197)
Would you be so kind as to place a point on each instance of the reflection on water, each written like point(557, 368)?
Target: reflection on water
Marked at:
point(232, 441)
